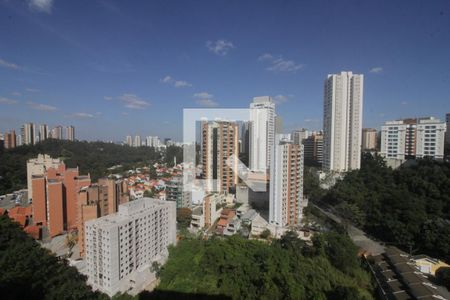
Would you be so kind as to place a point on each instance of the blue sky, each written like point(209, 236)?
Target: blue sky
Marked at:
point(113, 68)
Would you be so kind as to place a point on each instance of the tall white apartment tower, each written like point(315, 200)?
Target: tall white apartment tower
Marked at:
point(342, 121)
point(137, 141)
point(447, 122)
point(70, 133)
point(129, 140)
point(121, 247)
point(286, 183)
point(28, 134)
point(262, 132)
point(43, 132)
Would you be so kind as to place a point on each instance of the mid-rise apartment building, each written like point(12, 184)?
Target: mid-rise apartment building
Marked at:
point(174, 192)
point(299, 135)
point(121, 247)
point(219, 143)
point(369, 139)
point(286, 183)
point(262, 132)
point(98, 200)
point(313, 148)
point(413, 138)
point(39, 166)
point(54, 195)
point(342, 122)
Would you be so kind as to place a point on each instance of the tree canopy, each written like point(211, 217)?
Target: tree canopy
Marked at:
point(31, 272)
point(248, 269)
point(91, 157)
point(408, 207)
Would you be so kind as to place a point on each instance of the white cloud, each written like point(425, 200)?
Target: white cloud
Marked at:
point(31, 90)
point(265, 57)
point(133, 101)
point(376, 70)
point(108, 98)
point(203, 95)
point(4, 100)
point(404, 103)
point(176, 83)
point(16, 94)
point(9, 65)
point(207, 102)
point(205, 99)
point(280, 99)
point(220, 47)
point(82, 115)
point(311, 120)
point(40, 106)
point(41, 5)
point(279, 64)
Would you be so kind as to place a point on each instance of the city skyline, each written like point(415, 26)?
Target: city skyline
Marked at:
point(139, 79)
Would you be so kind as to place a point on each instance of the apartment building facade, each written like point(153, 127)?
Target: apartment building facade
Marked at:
point(342, 121)
point(121, 247)
point(369, 139)
point(262, 133)
point(313, 148)
point(219, 142)
point(286, 183)
point(413, 138)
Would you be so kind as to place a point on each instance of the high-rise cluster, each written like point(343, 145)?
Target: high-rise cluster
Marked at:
point(31, 134)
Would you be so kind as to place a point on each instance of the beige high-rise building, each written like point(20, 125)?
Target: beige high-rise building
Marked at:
point(38, 166)
point(219, 142)
point(43, 132)
point(57, 133)
point(342, 121)
point(10, 140)
point(28, 134)
point(286, 183)
point(70, 133)
point(369, 139)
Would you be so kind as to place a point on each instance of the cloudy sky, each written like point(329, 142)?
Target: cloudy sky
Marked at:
point(113, 68)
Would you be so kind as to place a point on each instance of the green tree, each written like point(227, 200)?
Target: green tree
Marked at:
point(443, 276)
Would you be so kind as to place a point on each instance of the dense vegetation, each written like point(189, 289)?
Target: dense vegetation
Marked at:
point(91, 157)
point(443, 276)
point(28, 271)
point(285, 269)
point(408, 207)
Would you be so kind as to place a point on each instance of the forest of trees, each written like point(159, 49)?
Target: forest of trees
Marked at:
point(408, 207)
point(91, 157)
point(28, 271)
point(285, 269)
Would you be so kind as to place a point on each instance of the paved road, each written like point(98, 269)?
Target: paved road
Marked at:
point(358, 236)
